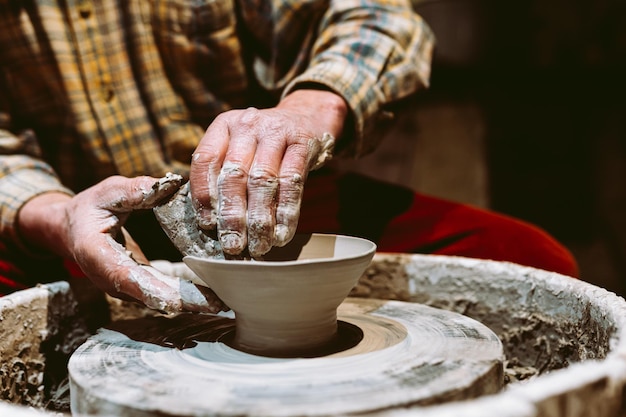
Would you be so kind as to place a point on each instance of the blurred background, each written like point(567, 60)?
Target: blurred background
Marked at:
point(526, 115)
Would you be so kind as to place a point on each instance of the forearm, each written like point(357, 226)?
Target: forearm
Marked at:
point(42, 223)
point(373, 53)
point(329, 108)
point(22, 179)
point(85, 228)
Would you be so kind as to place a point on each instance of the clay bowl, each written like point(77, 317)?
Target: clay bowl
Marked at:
point(286, 305)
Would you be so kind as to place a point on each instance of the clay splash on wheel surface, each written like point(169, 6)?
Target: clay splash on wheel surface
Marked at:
point(409, 354)
point(286, 304)
point(287, 351)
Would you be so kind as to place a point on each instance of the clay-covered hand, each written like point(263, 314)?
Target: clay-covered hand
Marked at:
point(88, 228)
point(177, 269)
point(248, 172)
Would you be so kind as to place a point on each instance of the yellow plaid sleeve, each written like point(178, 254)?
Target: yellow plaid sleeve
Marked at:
point(21, 178)
point(372, 53)
point(129, 87)
point(22, 175)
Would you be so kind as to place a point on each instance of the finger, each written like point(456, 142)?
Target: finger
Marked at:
point(211, 298)
point(121, 276)
point(324, 152)
point(300, 158)
point(187, 296)
point(233, 181)
point(262, 193)
point(122, 195)
point(206, 164)
point(292, 176)
point(181, 271)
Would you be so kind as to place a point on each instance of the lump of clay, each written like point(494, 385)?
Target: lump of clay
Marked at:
point(177, 218)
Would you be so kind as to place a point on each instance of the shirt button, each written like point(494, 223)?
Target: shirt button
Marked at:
point(85, 8)
point(106, 88)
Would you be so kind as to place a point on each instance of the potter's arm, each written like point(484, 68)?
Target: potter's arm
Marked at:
point(23, 174)
point(337, 67)
point(372, 53)
point(44, 218)
point(88, 229)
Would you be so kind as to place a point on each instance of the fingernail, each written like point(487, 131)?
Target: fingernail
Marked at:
point(232, 242)
point(260, 237)
point(259, 247)
point(282, 235)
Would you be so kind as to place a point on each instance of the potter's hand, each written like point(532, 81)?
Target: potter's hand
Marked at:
point(248, 172)
point(88, 229)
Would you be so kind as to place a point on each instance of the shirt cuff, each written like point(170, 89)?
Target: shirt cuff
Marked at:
point(17, 189)
point(363, 95)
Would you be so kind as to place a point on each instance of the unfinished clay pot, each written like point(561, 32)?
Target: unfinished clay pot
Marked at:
point(286, 305)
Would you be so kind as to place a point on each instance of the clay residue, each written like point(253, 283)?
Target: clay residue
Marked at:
point(323, 150)
point(385, 279)
point(21, 381)
point(22, 372)
point(534, 342)
point(39, 329)
point(179, 220)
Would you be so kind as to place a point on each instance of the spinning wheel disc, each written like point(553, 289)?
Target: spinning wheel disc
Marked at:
point(408, 354)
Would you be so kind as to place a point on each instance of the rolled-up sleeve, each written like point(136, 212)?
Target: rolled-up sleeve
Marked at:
point(373, 53)
point(22, 174)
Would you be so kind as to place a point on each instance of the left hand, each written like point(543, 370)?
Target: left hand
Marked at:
point(88, 228)
point(248, 172)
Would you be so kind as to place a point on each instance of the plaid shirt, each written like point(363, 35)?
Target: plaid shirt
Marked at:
point(93, 88)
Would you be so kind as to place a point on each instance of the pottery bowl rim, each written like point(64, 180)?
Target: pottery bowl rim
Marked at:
point(371, 248)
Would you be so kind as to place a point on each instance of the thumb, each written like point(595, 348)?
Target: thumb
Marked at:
point(122, 195)
point(173, 294)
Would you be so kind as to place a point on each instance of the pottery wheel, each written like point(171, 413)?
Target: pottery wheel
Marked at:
point(407, 354)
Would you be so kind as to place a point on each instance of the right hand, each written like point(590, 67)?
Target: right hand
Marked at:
point(248, 172)
point(88, 228)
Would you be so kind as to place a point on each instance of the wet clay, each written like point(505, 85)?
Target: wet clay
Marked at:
point(186, 330)
point(535, 313)
point(408, 354)
point(535, 340)
point(179, 221)
point(287, 304)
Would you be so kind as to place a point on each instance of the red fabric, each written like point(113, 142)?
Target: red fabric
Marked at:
point(406, 222)
point(396, 218)
point(18, 272)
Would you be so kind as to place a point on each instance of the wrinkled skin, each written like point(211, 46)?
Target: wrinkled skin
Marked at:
point(247, 178)
point(88, 228)
point(248, 172)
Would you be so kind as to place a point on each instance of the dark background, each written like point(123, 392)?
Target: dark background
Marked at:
point(550, 77)
point(527, 102)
